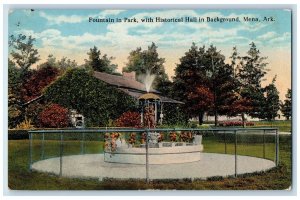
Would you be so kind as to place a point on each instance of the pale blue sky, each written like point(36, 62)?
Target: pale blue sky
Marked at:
point(68, 23)
point(68, 33)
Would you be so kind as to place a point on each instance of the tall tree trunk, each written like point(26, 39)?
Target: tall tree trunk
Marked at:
point(243, 119)
point(201, 115)
point(216, 118)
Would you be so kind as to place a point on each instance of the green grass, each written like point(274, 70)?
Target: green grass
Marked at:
point(284, 126)
point(20, 178)
point(255, 150)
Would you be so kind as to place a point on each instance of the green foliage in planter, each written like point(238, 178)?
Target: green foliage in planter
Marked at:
point(96, 100)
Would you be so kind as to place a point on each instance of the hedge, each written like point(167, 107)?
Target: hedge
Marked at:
point(18, 134)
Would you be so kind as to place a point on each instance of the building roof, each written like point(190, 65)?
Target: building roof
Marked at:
point(130, 86)
point(136, 94)
point(122, 81)
point(149, 95)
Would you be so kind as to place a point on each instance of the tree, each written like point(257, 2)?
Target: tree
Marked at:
point(23, 53)
point(51, 60)
point(226, 87)
point(62, 65)
point(234, 61)
point(221, 81)
point(286, 107)
point(98, 63)
point(191, 83)
point(272, 101)
point(201, 99)
point(14, 77)
point(65, 64)
point(54, 116)
point(33, 110)
point(145, 61)
point(23, 56)
point(251, 74)
point(241, 106)
point(241, 103)
point(96, 100)
point(15, 110)
point(37, 81)
point(165, 87)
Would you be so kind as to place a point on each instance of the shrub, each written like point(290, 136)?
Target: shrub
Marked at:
point(129, 119)
point(18, 134)
point(32, 112)
point(54, 116)
point(26, 124)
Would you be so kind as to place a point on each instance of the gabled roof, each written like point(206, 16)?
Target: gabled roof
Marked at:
point(121, 81)
point(136, 94)
point(130, 86)
point(125, 84)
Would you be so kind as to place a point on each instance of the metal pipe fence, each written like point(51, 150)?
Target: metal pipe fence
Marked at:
point(254, 142)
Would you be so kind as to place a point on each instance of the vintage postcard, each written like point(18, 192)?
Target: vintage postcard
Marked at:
point(138, 99)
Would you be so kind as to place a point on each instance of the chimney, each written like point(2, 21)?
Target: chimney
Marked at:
point(129, 75)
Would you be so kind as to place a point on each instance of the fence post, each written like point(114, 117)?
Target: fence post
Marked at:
point(225, 142)
point(82, 143)
point(30, 151)
point(147, 156)
point(264, 144)
point(61, 153)
point(277, 147)
point(235, 153)
point(43, 148)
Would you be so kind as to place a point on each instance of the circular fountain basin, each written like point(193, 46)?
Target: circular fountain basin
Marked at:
point(211, 164)
point(165, 153)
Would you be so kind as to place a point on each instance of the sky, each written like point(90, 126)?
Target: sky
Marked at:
point(68, 33)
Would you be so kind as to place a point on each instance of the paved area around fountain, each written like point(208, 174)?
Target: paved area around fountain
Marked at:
point(211, 164)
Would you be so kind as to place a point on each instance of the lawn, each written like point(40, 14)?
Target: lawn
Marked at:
point(284, 126)
point(20, 178)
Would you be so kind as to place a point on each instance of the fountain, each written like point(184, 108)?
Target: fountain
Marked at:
point(188, 149)
point(143, 152)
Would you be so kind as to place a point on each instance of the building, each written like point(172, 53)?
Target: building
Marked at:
point(130, 86)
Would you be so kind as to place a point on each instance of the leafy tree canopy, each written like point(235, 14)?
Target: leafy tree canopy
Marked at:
point(251, 73)
point(143, 61)
point(204, 82)
point(100, 63)
point(23, 52)
point(272, 104)
point(286, 106)
point(32, 87)
point(62, 65)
